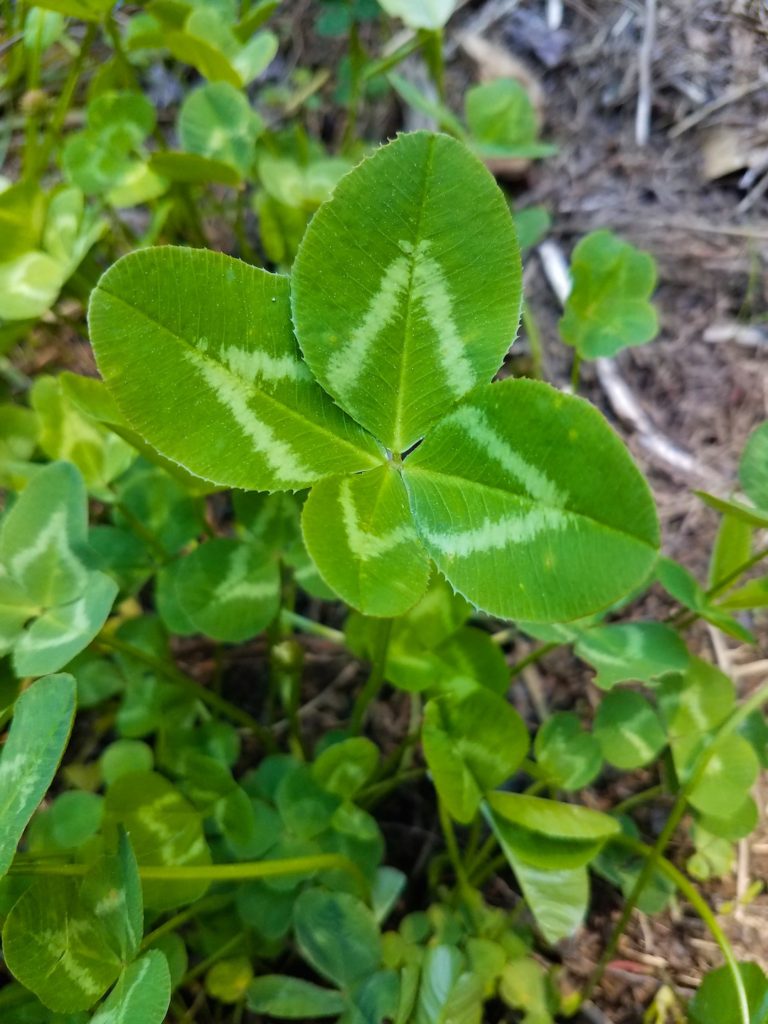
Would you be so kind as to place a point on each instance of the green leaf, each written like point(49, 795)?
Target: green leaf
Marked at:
point(502, 120)
point(732, 548)
point(417, 306)
point(68, 435)
point(345, 767)
point(165, 830)
point(39, 733)
point(716, 1001)
point(193, 169)
point(75, 817)
point(569, 757)
point(472, 742)
point(676, 579)
point(737, 509)
point(692, 706)
point(197, 350)
point(57, 947)
point(87, 10)
point(533, 224)
point(753, 467)
point(530, 504)
point(29, 285)
point(557, 899)
point(43, 531)
point(728, 777)
point(216, 121)
point(629, 730)
point(430, 14)
point(228, 589)
point(608, 308)
point(293, 998)
point(632, 652)
point(56, 636)
point(142, 994)
point(228, 980)
point(338, 935)
point(548, 834)
point(360, 534)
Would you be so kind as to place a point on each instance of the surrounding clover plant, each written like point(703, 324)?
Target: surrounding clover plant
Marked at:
point(182, 835)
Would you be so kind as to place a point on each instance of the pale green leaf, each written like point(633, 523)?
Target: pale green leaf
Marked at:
point(628, 730)
point(737, 509)
point(530, 504)
point(360, 534)
point(609, 305)
point(216, 121)
point(42, 722)
point(631, 652)
point(87, 10)
point(472, 743)
point(431, 14)
point(142, 993)
point(717, 1002)
point(289, 998)
point(503, 121)
point(42, 533)
point(165, 829)
point(732, 548)
point(197, 349)
point(61, 632)
point(548, 834)
point(558, 899)
point(66, 434)
point(229, 590)
point(753, 467)
point(730, 773)
point(569, 757)
point(417, 306)
point(29, 285)
point(692, 706)
point(193, 169)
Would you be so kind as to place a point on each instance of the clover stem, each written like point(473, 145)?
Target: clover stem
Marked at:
point(66, 96)
point(685, 618)
point(576, 372)
point(190, 685)
point(432, 40)
point(452, 846)
point(759, 697)
point(534, 342)
point(532, 658)
point(665, 867)
point(383, 633)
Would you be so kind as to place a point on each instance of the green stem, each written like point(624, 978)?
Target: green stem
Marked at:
point(305, 625)
point(432, 42)
point(689, 891)
point(67, 95)
point(644, 796)
point(452, 846)
point(759, 697)
point(385, 64)
point(532, 658)
point(376, 678)
point(372, 794)
point(575, 372)
point(201, 907)
point(245, 872)
point(357, 60)
point(534, 341)
point(684, 618)
point(229, 946)
point(190, 685)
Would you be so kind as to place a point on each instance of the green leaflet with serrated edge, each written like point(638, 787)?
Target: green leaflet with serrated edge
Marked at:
point(360, 534)
point(529, 504)
point(197, 350)
point(422, 297)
